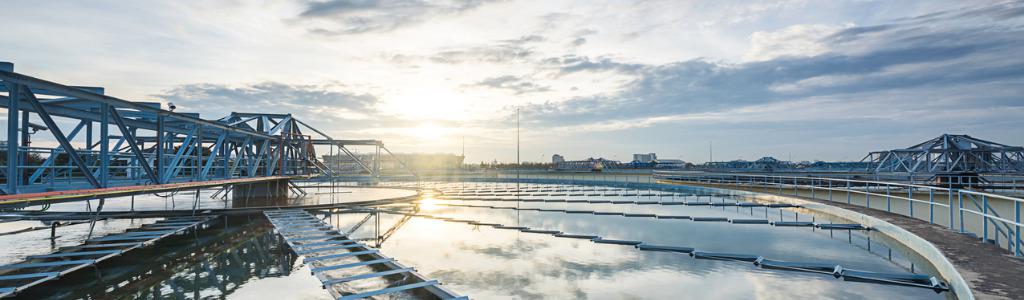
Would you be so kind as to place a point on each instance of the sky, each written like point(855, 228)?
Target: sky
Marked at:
point(807, 80)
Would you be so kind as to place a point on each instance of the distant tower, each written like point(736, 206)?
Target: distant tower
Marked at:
point(557, 159)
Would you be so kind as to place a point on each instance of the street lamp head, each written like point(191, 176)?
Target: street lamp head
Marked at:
point(37, 127)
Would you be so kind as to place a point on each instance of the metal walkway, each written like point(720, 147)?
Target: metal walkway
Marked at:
point(38, 269)
point(320, 243)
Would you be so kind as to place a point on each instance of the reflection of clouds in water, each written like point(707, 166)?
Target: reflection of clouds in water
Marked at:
point(783, 288)
point(797, 244)
point(498, 283)
point(504, 250)
point(666, 284)
point(488, 263)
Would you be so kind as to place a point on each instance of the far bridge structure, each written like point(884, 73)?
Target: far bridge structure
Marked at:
point(950, 153)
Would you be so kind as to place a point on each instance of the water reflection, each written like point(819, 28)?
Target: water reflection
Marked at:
point(244, 259)
point(489, 263)
point(221, 263)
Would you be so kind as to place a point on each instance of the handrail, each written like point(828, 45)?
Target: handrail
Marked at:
point(988, 214)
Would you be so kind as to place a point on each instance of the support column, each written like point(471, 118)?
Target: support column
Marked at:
point(12, 138)
point(159, 148)
point(88, 135)
point(225, 152)
point(264, 193)
point(199, 152)
point(104, 145)
point(25, 142)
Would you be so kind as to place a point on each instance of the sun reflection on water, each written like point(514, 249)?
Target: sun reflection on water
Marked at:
point(429, 204)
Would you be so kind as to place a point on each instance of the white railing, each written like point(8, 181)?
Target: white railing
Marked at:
point(987, 213)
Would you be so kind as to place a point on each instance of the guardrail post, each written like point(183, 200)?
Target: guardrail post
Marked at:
point(931, 207)
point(829, 190)
point(910, 204)
point(984, 217)
point(888, 198)
point(813, 182)
point(1016, 232)
point(949, 202)
point(849, 194)
point(867, 194)
point(960, 205)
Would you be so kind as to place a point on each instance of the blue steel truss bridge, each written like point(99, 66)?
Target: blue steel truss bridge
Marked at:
point(103, 142)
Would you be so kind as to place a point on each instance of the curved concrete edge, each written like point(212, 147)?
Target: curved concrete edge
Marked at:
point(922, 247)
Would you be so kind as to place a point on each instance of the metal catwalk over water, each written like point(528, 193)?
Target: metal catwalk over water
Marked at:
point(107, 142)
point(39, 269)
point(324, 246)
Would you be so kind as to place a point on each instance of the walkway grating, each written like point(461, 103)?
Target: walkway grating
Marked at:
point(39, 269)
point(320, 243)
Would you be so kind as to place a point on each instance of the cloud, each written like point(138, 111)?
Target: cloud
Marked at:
point(342, 17)
point(578, 41)
point(271, 97)
point(518, 85)
point(503, 51)
point(569, 64)
point(899, 62)
point(796, 40)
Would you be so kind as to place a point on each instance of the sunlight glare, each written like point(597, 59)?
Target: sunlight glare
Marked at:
point(428, 131)
point(429, 204)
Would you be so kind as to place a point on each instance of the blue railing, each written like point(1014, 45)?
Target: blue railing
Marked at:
point(983, 216)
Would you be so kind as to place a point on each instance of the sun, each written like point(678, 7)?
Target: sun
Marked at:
point(429, 131)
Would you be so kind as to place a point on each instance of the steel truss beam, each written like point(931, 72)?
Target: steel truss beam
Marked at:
point(154, 146)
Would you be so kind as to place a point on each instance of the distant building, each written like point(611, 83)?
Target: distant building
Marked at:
point(766, 163)
point(593, 164)
point(771, 164)
point(669, 164)
point(555, 159)
point(645, 158)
